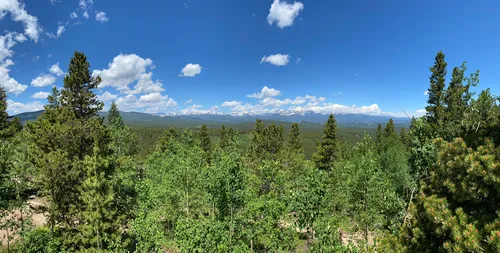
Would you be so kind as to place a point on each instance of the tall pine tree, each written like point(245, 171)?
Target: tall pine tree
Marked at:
point(389, 129)
point(114, 117)
point(78, 85)
point(436, 102)
point(205, 143)
point(327, 151)
point(295, 139)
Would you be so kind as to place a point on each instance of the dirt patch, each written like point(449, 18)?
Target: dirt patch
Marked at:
point(34, 211)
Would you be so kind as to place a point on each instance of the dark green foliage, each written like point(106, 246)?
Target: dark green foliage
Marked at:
point(114, 117)
point(389, 129)
point(436, 102)
point(328, 148)
point(3, 109)
point(205, 142)
point(379, 133)
point(7, 129)
point(77, 94)
point(294, 141)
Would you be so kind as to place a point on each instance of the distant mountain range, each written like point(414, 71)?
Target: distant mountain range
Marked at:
point(150, 120)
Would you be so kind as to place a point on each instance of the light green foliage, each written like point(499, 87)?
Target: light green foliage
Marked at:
point(99, 222)
point(327, 151)
point(374, 199)
point(457, 211)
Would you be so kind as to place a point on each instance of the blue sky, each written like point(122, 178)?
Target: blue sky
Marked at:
point(235, 56)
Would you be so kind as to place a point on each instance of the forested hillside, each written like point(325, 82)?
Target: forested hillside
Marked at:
point(434, 187)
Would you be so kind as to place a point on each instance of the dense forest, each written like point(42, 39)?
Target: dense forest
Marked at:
point(72, 181)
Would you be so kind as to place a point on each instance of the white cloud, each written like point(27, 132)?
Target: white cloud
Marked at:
point(299, 60)
point(73, 15)
point(20, 38)
point(191, 70)
point(56, 70)
point(276, 59)
point(86, 15)
point(19, 14)
point(426, 92)
point(231, 103)
point(284, 13)
point(101, 17)
point(152, 103)
point(17, 107)
point(40, 95)
point(421, 111)
point(195, 110)
point(265, 93)
point(8, 41)
point(36, 58)
point(60, 30)
point(127, 69)
point(9, 83)
point(189, 101)
point(106, 97)
point(43, 80)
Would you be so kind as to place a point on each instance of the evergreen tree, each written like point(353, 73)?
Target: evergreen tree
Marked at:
point(54, 99)
point(379, 135)
point(3, 109)
point(77, 94)
point(295, 139)
point(389, 129)
point(205, 143)
point(223, 137)
point(100, 223)
point(327, 151)
point(7, 129)
point(436, 102)
point(167, 139)
point(114, 117)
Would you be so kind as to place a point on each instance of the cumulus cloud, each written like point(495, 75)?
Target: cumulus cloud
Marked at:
point(101, 17)
point(265, 93)
point(9, 83)
point(19, 14)
point(421, 111)
point(128, 69)
point(426, 92)
point(284, 13)
point(191, 70)
point(17, 107)
point(107, 97)
point(276, 59)
point(56, 70)
point(40, 95)
point(43, 80)
point(7, 42)
point(152, 103)
point(231, 103)
point(86, 15)
point(73, 15)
